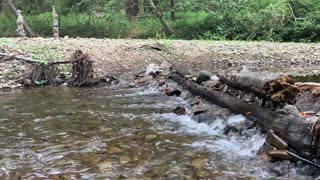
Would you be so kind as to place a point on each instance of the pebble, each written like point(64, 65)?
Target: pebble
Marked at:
point(151, 137)
point(114, 150)
point(125, 159)
point(198, 163)
point(105, 167)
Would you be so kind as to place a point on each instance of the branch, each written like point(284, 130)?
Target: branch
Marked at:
point(30, 60)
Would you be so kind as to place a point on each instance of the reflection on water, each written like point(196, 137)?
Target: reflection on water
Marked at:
point(102, 133)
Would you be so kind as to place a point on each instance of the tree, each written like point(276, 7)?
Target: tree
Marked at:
point(132, 9)
point(160, 17)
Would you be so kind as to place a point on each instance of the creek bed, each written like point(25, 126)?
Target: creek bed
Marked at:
point(109, 133)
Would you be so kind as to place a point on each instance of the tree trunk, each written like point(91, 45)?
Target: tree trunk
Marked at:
point(271, 86)
point(28, 30)
point(302, 136)
point(172, 13)
point(132, 9)
point(161, 18)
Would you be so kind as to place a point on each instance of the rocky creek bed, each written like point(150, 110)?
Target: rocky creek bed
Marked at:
point(116, 132)
point(94, 133)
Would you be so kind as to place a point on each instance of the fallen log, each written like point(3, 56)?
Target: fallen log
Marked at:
point(30, 60)
point(301, 135)
point(271, 86)
point(314, 88)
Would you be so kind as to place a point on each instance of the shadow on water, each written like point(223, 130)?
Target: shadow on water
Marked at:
point(105, 133)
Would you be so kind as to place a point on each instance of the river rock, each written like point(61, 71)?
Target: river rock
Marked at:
point(308, 102)
point(212, 115)
point(203, 76)
point(198, 163)
point(276, 141)
point(202, 174)
point(124, 159)
point(199, 108)
point(144, 80)
point(105, 167)
point(114, 150)
point(280, 155)
point(211, 84)
point(165, 67)
point(5, 86)
point(27, 82)
point(292, 110)
point(151, 137)
point(180, 110)
point(152, 70)
point(171, 91)
point(197, 100)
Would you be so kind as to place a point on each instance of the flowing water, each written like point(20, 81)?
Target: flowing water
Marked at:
point(114, 133)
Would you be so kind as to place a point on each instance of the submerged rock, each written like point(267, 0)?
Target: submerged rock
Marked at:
point(198, 163)
point(124, 159)
point(144, 80)
point(151, 137)
point(105, 167)
point(114, 150)
point(180, 110)
point(171, 91)
point(292, 110)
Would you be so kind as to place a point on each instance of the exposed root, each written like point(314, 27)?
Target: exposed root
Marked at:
point(44, 75)
point(82, 70)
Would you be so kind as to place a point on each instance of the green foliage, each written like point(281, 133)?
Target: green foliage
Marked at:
point(7, 26)
point(40, 82)
point(271, 20)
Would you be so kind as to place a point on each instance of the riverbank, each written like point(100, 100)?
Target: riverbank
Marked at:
point(125, 58)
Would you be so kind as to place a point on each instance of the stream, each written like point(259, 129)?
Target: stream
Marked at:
point(115, 133)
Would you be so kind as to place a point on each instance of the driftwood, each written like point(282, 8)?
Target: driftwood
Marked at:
point(271, 86)
point(30, 60)
point(302, 136)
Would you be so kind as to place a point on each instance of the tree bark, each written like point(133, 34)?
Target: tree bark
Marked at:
point(27, 28)
point(172, 13)
point(160, 17)
point(271, 86)
point(132, 9)
point(296, 131)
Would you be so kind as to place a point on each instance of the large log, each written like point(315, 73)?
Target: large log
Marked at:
point(300, 134)
point(271, 86)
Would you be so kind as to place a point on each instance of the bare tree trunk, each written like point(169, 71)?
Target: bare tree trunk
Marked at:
point(132, 9)
point(173, 16)
point(161, 18)
point(28, 30)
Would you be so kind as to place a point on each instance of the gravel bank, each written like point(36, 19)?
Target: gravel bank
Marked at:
point(118, 57)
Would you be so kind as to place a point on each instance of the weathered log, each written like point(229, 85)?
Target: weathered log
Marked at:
point(271, 86)
point(30, 60)
point(299, 134)
point(314, 88)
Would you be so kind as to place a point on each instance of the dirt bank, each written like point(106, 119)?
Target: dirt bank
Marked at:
point(115, 57)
